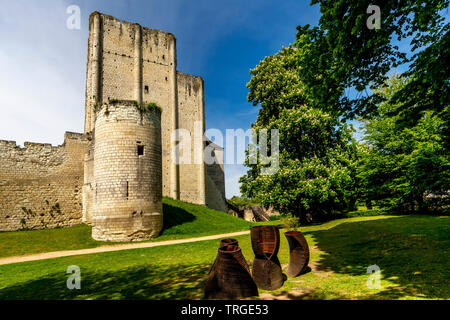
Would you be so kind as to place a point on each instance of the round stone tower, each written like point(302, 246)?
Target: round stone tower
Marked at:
point(127, 199)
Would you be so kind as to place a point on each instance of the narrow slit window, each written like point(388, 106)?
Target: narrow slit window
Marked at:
point(146, 89)
point(140, 150)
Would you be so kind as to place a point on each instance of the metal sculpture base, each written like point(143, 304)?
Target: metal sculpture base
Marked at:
point(299, 253)
point(230, 276)
point(267, 274)
point(266, 268)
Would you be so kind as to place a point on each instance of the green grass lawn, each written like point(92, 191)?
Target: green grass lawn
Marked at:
point(181, 220)
point(411, 251)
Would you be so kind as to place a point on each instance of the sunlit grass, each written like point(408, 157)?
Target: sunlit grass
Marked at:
point(411, 251)
point(181, 220)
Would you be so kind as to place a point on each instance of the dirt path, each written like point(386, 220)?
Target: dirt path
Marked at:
point(67, 253)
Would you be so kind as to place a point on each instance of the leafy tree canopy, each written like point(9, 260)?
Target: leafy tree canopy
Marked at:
point(400, 167)
point(315, 160)
point(343, 54)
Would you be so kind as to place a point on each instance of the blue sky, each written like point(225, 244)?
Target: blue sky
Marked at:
point(43, 64)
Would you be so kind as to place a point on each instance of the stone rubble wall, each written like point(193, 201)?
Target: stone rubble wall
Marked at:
point(40, 184)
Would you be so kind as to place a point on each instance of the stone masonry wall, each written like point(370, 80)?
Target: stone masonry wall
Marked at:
point(191, 113)
point(127, 197)
point(129, 62)
point(40, 185)
point(215, 180)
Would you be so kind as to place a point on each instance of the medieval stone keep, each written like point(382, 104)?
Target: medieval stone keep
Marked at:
point(114, 175)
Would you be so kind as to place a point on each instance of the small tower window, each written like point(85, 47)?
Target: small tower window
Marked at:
point(140, 150)
point(146, 89)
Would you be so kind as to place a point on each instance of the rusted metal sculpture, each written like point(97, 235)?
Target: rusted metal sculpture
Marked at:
point(224, 242)
point(228, 241)
point(230, 276)
point(266, 267)
point(299, 253)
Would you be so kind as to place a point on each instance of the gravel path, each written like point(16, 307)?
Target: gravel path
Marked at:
point(129, 246)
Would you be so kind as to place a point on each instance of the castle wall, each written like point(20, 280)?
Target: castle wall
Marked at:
point(159, 86)
point(88, 183)
point(130, 62)
point(191, 118)
point(40, 185)
point(127, 192)
point(215, 180)
point(44, 187)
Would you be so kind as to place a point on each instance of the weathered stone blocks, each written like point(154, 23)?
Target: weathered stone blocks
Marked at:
point(86, 178)
point(127, 201)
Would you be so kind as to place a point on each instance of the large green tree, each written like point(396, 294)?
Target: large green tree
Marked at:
point(315, 174)
point(334, 70)
point(404, 168)
point(342, 60)
point(316, 159)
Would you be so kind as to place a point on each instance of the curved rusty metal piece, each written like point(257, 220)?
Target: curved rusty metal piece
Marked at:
point(299, 253)
point(266, 269)
point(228, 241)
point(224, 242)
point(230, 276)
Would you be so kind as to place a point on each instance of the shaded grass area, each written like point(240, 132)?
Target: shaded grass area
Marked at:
point(130, 274)
point(411, 251)
point(181, 220)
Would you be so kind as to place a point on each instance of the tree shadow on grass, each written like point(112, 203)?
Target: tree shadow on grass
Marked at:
point(411, 251)
point(143, 282)
point(174, 216)
point(301, 294)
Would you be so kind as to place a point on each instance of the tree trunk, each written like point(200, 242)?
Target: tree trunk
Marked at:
point(352, 204)
point(420, 202)
point(411, 203)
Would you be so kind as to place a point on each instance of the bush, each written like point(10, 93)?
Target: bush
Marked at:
point(290, 222)
point(365, 213)
point(242, 201)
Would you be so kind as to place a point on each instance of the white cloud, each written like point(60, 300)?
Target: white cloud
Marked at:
point(42, 64)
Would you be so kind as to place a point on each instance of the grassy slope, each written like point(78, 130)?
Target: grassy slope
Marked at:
point(412, 252)
point(181, 220)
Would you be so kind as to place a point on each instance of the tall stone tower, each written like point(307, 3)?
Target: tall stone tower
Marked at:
point(128, 172)
point(130, 62)
point(131, 66)
point(123, 161)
